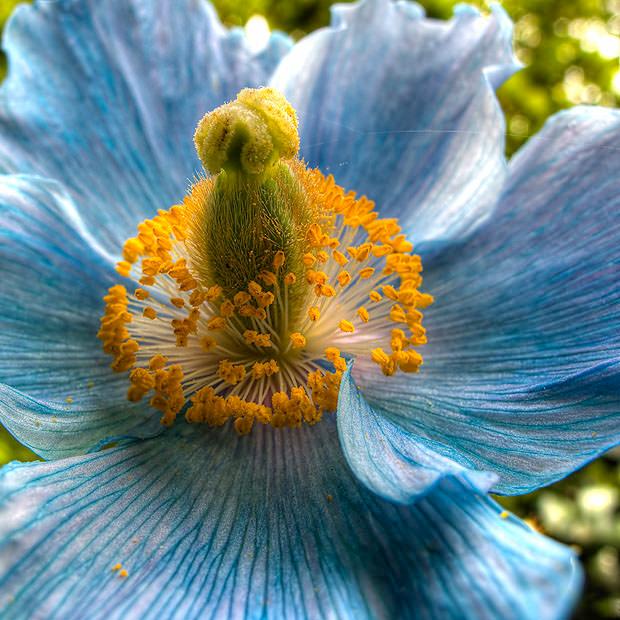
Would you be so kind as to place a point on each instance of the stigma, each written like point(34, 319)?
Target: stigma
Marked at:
point(246, 302)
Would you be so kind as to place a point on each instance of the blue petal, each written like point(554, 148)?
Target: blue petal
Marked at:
point(398, 465)
point(522, 370)
point(105, 97)
point(53, 280)
point(402, 109)
point(273, 525)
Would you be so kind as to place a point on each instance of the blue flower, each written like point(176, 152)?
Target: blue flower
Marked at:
point(380, 510)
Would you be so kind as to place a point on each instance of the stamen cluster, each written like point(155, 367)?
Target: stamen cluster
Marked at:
point(262, 354)
point(250, 297)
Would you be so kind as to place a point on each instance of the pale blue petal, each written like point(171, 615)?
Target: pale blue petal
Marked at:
point(272, 525)
point(51, 297)
point(402, 108)
point(522, 370)
point(105, 97)
point(396, 464)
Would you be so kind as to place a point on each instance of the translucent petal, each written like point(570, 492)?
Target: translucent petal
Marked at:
point(213, 525)
point(522, 370)
point(402, 108)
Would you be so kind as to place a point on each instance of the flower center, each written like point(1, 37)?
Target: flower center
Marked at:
point(248, 299)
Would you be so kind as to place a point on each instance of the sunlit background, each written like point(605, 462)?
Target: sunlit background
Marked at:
point(570, 49)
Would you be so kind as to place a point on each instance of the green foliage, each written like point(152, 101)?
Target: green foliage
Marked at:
point(570, 50)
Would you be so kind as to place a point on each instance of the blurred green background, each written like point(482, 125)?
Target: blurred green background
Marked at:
point(570, 49)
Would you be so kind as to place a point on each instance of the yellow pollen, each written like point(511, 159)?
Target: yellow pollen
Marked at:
point(309, 259)
point(253, 334)
point(216, 323)
point(344, 278)
point(242, 298)
point(208, 343)
point(363, 314)
point(278, 259)
point(230, 372)
point(314, 313)
point(340, 258)
point(298, 341)
point(346, 326)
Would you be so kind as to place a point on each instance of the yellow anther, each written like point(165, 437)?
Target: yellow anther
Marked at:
point(123, 268)
point(231, 373)
point(141, 294)
point(424, 300)
point(208, 343)
point(253, 337)
point(151, 266)
point(363, 314)
point(375, 296)
point(227, 308)
point(390, 292)
point(157, 362)
point(243, 425)
point(315, 235)
point(319, 277)
point(216, 323)
point(290, 279)
point(314, 313)
point(397, 314)
point(179, 302)
point(246, 310)
point(255, 288)
point(325, 290)
point(344, 277)
point(117, 567)
point(363, 252)
point(150, 313)
point(408, 361)
point(340, 258)
point(387, 364)
point(123, 573)
point(298, 341)
point(278, 259)
point(346, 326)
point(265, 369)
point(213, 292)
point(197, 297)
point(381, 250)
point(398, 340)
point(366, 272)
point(308, 259)
point(241, 298)
point(268, 277)
point(331, 353)
point(340, 364)
point(322, 256)
point(132, 250)
point(265, 299)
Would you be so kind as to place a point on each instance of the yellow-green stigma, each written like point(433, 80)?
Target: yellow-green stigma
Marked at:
point(250, 296)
